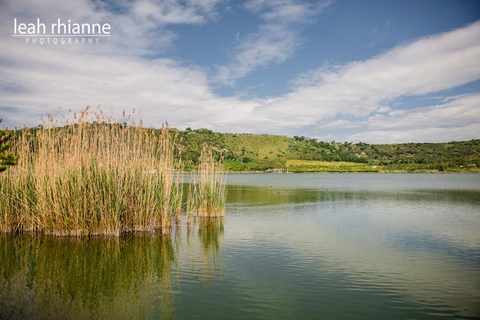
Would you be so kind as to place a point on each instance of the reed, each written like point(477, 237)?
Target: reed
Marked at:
point(207, 189)
point(91, 175)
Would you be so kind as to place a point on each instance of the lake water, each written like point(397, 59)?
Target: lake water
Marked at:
point(292, 246)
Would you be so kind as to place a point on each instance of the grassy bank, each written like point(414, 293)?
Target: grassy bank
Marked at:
point(305, 166)
point(298, 166)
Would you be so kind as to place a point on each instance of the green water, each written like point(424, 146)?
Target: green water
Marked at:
point(364, 246)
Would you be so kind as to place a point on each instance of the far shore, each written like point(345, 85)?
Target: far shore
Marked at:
point(358, 172)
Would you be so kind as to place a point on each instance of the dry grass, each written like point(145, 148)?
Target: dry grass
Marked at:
point(92, 176)
point(207, 189)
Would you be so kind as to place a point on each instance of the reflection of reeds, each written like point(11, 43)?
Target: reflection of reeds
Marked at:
point(92, 176)
point(207, 190)
point(210, 231)
point(45, 277)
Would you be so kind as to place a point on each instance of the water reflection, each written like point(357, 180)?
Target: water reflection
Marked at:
point(241, 195)
point(415, 247)
point(210, 233)
point(47, 277)
point(285, 251)
point(103, 277)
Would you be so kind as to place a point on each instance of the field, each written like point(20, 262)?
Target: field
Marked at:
point(324, 166)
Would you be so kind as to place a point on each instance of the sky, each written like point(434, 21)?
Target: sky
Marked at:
point(371, 71)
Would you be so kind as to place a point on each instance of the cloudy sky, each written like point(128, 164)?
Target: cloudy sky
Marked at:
point(373, 71)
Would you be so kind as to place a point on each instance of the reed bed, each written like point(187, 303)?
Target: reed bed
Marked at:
point(90, 176)
point(207, 193)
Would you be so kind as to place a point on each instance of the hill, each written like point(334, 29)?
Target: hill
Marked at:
point(249, 152)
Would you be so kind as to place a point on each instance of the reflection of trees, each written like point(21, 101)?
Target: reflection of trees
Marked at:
point(267, 196)
point(47, 277)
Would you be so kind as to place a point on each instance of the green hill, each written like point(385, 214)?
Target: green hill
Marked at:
point(249, 152)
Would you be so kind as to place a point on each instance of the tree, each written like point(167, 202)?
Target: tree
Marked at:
point(6, 159)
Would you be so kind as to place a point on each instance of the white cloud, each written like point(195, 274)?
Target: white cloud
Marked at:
point(121, 73)
point(138, 27)
point(275, 40)
point(36, 79)
point(458, 119)
point(359, 88)
point(174, 12)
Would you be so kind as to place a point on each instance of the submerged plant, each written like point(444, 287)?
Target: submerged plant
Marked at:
point(207, 189)
point(92, 176)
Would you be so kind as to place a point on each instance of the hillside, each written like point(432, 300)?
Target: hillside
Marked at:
point(249, 152)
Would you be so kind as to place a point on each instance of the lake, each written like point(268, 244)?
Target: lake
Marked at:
point(292, 246)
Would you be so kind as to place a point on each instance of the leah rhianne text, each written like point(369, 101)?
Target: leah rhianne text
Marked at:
point(60, 28)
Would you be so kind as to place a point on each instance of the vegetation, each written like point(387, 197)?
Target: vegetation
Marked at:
point(6, 159)
point(93, 176)
point(96, 176)
point(248, 152)
point(324, 166)
point(207, 188)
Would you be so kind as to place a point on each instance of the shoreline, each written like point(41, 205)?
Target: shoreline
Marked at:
point(357, 172)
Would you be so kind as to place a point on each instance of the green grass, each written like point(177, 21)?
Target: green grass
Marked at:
point(299, 166)
point(324, 166)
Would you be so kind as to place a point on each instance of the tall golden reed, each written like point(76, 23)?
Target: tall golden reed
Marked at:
point(91, 176)
point(206, 197)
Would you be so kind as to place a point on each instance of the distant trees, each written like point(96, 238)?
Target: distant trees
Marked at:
point(6, 158)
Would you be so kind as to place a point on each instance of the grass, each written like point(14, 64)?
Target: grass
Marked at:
point(207, 190)
point(292, 163)
point(91, 175)
point(299, 166)
point(325, 166)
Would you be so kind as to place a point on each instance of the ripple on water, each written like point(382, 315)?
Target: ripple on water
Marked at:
point(309, 247)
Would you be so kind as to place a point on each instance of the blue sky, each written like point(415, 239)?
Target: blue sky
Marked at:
point(374, 71)
point(345, 31)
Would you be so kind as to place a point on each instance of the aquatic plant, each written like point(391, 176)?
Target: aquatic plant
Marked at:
point(91, 175)
point(207, 189)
